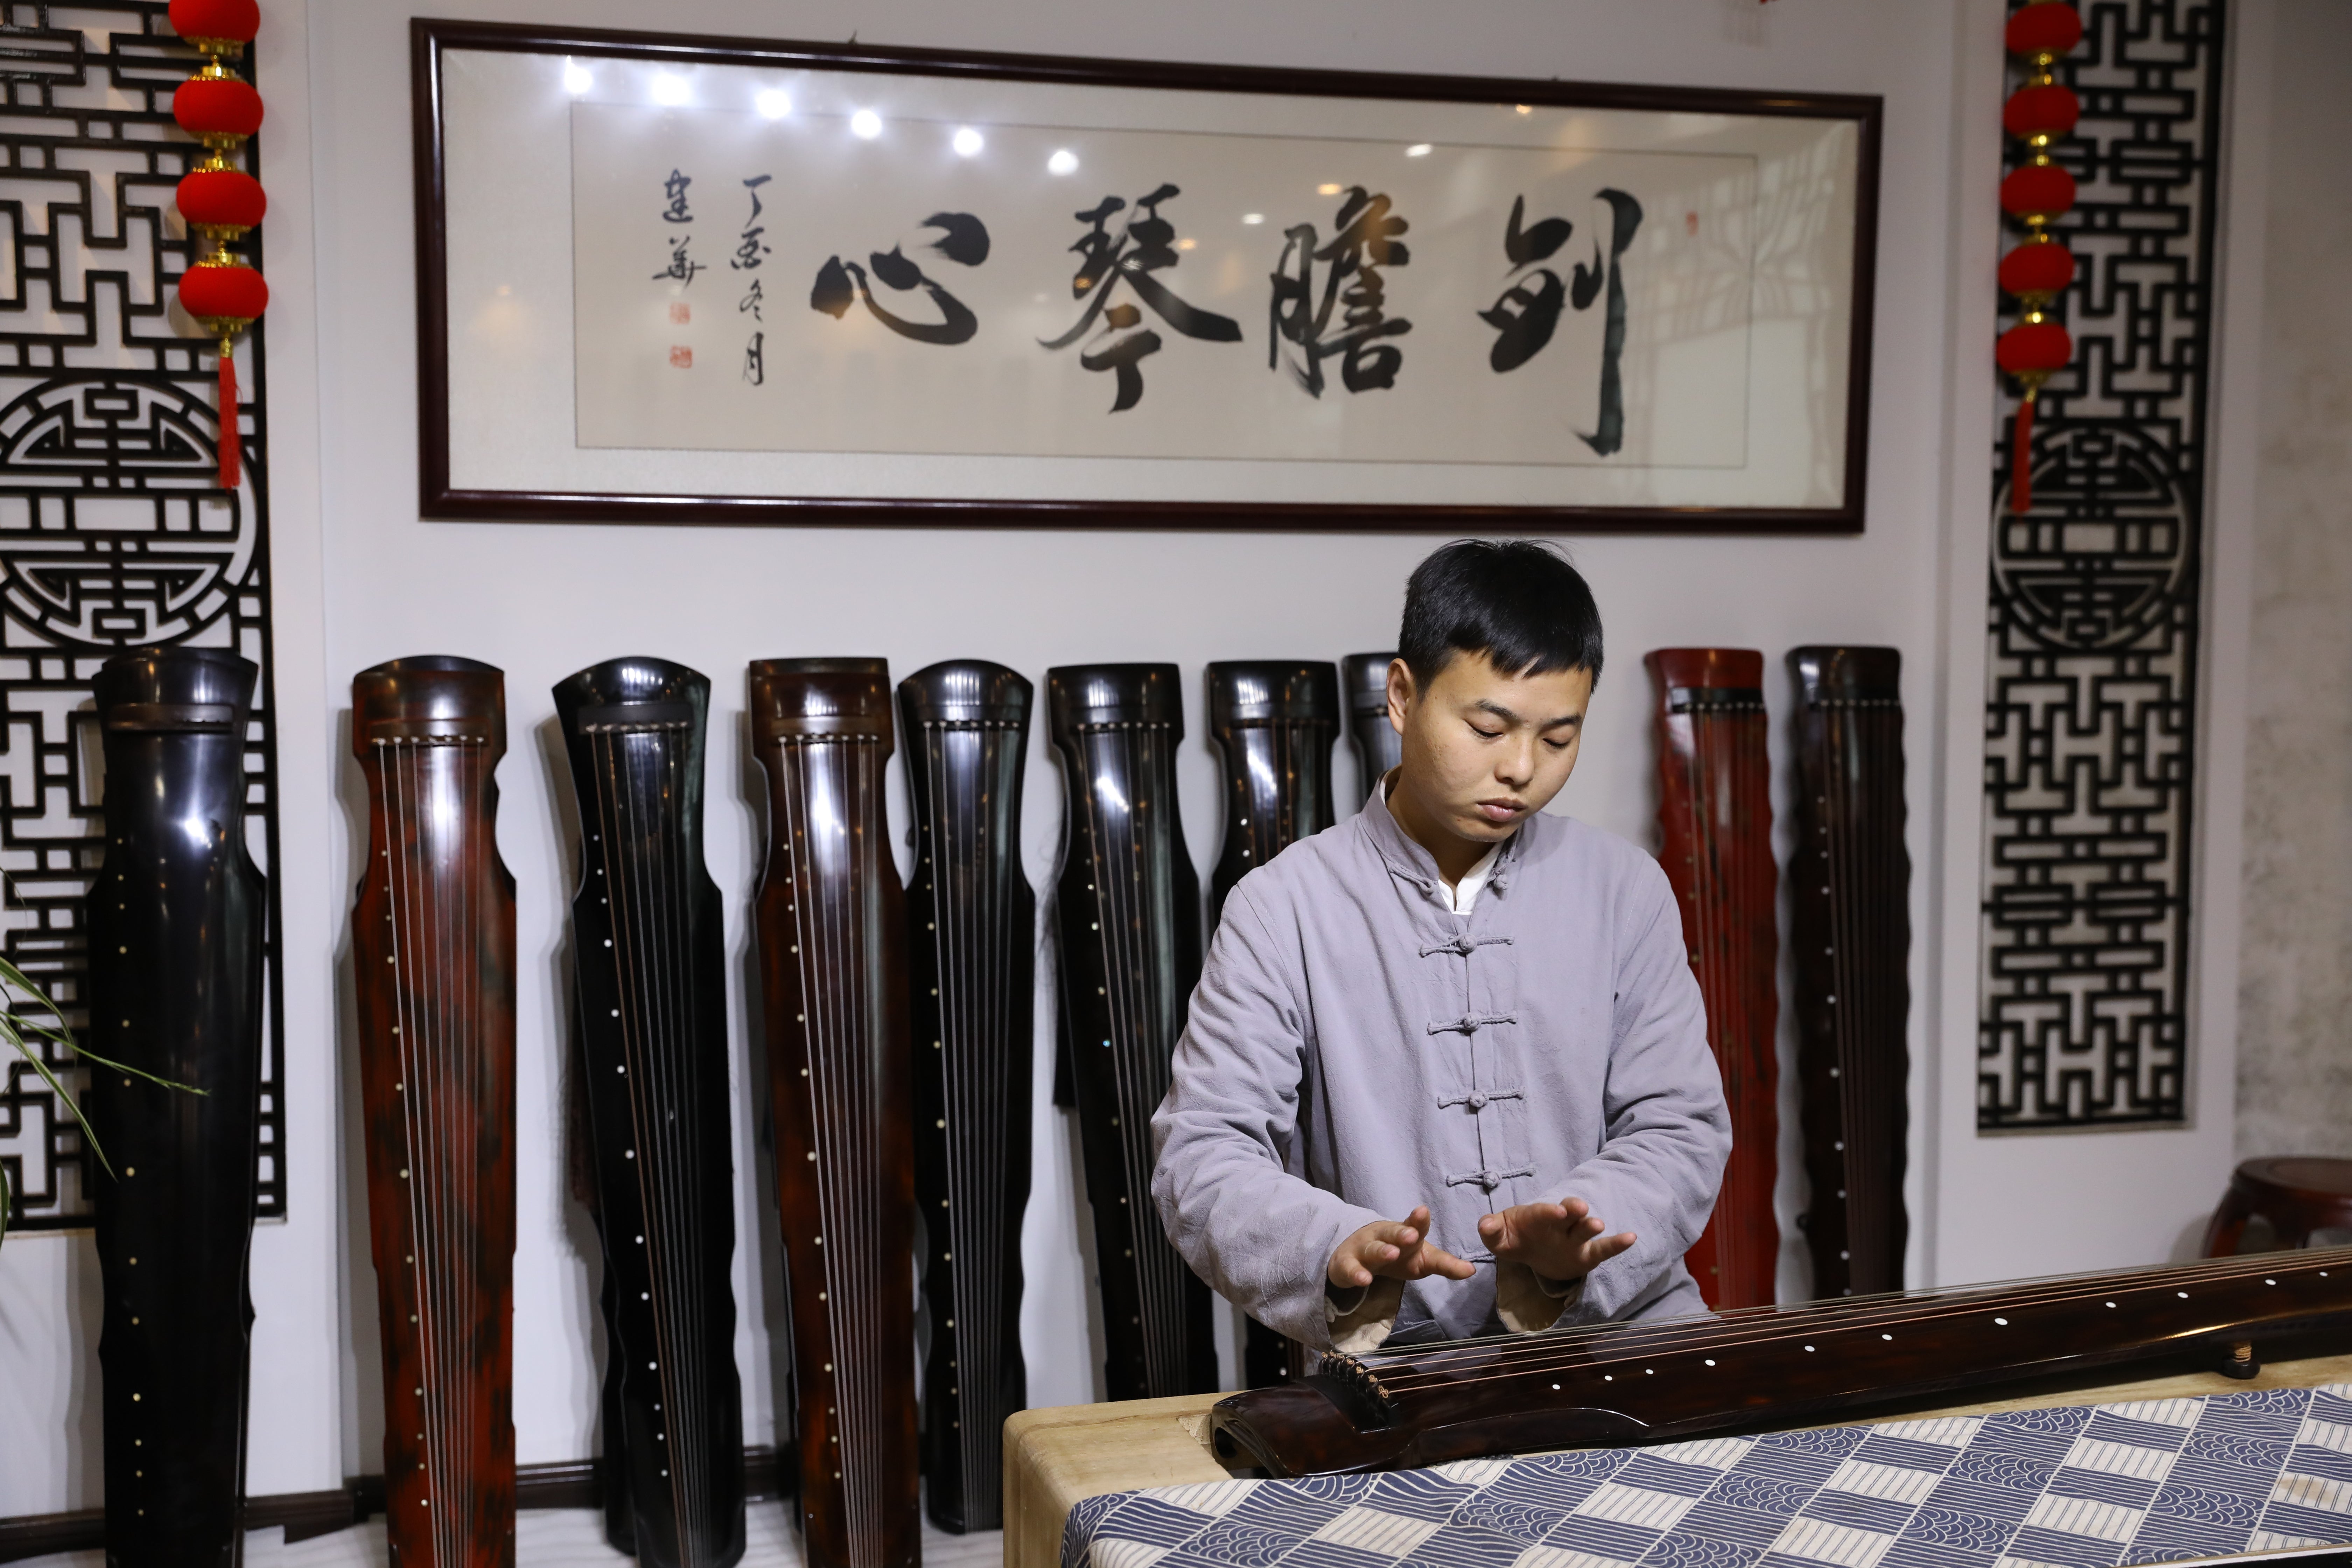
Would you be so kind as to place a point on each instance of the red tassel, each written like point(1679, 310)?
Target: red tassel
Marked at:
point(2020, 460)
point(229, 439)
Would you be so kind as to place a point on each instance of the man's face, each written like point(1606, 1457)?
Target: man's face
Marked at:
point(1484, 751)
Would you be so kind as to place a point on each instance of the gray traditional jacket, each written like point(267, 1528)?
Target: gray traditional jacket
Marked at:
point(1355, 1048)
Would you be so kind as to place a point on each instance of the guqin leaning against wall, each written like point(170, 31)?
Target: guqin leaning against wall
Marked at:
point(1850, 922)
point(650, 1019)
point(833, 977)
point(1274, 725)
point(176, 924)
point(1715, 814)
point(971, 937)
point(1128, 908)
point(433, 948)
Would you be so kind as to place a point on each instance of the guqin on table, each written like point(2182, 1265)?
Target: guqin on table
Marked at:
point(1635, 1383)
point(1274, 725)
point(176, 922)
point(833, 973)
point(1128, 910)
point(1715, 813)
point(433, 946)
point(972, 933)
point(1850, 923)
point(650, 977)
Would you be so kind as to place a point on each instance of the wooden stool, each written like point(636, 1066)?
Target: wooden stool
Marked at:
point(2298, 1194)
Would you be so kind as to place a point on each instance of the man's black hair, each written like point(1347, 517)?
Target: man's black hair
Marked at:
point(1518, 600)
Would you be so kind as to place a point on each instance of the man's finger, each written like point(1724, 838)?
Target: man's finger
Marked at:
point(1437, 1260)
point(1601, 1251)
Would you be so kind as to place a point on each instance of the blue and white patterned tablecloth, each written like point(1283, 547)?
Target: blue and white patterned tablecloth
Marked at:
point(2079, 1486)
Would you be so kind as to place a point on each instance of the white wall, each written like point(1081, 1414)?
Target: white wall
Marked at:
point(2294, 990)
point(361, 579)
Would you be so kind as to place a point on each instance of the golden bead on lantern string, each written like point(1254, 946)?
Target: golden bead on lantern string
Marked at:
point(221, 203)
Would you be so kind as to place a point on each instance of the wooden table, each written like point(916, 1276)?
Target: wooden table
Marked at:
point(1054, 1457)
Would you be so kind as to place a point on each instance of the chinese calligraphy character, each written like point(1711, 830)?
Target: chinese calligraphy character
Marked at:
point(963, 240)
point(681, 267)
point(1525, 318)
point(752, 302)
point(755, 360)
point(753, 249)
point(1144, 246)
point(674, 191)
point(1367, 241)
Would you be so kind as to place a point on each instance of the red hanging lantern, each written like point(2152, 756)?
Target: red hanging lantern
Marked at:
point(2041, 270)
point(220, 204)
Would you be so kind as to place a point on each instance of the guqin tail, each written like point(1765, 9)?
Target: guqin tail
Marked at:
point(1129, 913)
point(834, 984)
point(176, 928)
point(651, 1000)
point(1851, 923)
point(1274, 725)
point(1714, 812)
point(433, 948)
point(972, 934)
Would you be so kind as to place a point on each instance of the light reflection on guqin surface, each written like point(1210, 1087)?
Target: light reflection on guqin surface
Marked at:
point(833, 978)
point(433, 942)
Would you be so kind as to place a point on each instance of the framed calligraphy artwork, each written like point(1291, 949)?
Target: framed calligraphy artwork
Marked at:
point(698, 280)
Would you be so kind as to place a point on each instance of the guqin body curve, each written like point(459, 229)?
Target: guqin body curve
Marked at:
point(177, 927)
point(1129, 913)
point(1642, 1382)
point(650, 1019)
point(1714, 815)
point(1364, 677)
point(1274, 725)
point(432, 944)
point(833, 978)
point(1850, 919)
point(972, 934)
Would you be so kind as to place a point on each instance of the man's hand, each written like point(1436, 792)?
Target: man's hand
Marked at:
point(1559, 1241)
point(1394, 1249)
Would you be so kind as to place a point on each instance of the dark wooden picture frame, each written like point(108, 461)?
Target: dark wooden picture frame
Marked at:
point(439, 497)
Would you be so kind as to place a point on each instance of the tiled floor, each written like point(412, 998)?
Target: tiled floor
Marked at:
point(564, 1538)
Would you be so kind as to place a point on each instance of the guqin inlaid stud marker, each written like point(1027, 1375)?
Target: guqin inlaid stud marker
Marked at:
point(1274, 725)
point(433, 946)
point(832, 973)
point(176, 929)
point(971, 928)
point(1850, 919)
point(1128, 910)
point(650, 1000)
point(1365, 678)
point(1714, 813)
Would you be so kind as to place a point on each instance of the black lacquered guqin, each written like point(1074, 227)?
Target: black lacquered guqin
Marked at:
point(650, 985)
point(971, 935)
point(1364, 677)
point(1850, 921)
point(1128, 916)
point(1274, 725)
point(432, 944)
point(176, 924)
point(831, 940)
point(1635, 1383)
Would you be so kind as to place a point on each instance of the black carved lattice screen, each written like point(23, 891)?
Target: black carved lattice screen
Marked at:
point(113, 533)
point(2090, 716)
